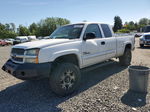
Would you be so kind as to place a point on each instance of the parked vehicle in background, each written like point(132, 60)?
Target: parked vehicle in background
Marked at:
point(31, 38)
point(145, 29)
point(40, 38)
point(20, 39)
point(69, 49)
point(3, 43)
point(9, 41)
point(45, 37)
point(144, 39)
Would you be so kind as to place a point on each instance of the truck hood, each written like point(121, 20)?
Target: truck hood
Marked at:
point(41, 43)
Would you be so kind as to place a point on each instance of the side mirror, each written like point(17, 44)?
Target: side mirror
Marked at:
point(89, 36)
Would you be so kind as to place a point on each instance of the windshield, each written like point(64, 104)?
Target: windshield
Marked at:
point(67, 32)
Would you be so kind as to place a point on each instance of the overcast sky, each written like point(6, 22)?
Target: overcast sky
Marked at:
point(26, 12)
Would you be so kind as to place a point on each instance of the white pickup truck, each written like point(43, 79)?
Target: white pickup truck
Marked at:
point(69, 49)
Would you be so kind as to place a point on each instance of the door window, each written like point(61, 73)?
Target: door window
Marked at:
point(93, 28)
point(106, 30)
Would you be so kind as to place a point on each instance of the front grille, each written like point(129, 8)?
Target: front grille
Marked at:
point(17, 59)
point(147, 36)
point(17, 51)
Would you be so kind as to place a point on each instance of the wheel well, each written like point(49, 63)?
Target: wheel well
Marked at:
point(71, 58)
point(128, 46)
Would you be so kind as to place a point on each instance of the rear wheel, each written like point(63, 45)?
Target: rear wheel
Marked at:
point(125, 60)
point(65, 79)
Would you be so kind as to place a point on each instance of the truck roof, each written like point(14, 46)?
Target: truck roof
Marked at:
point(86, 23)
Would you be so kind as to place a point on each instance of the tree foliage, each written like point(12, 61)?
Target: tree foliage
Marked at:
point(43, 28)
point(12, 27)
point(144, 21)
point(6, 31)
point(131, 26)
point(33, 29)
point(123, 31)
point(117, 23)
point(23, 31)
point(47, 26)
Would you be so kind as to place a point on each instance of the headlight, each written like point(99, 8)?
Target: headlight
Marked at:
point(32, 52)
point(31, 56)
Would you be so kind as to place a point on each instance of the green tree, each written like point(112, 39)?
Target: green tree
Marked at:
point(130, 26)
point(7, 34)
point(117, 23)
point(7, 27)
point(48, 25)
point(2, 27)
point(33, 29)
point(144, 21)
point(136, 26)
point(12, 27)
point(23, 31)
point(5, 31)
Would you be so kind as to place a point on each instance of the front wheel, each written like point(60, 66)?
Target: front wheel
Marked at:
point(125, 60)
point(65, 79)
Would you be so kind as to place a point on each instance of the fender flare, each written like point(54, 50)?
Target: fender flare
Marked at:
point(58, 54)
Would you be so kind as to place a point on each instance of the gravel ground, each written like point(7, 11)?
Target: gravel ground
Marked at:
point(103, 89)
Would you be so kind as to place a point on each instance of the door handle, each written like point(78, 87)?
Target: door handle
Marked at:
point(102, 43)
point(86, 53)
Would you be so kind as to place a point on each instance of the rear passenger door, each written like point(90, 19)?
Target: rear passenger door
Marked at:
point(110, 41)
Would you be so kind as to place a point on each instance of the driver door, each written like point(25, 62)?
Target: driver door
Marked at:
point(93, 49)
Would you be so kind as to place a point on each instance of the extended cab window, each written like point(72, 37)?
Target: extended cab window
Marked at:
point(106, 30)
point(94, 28)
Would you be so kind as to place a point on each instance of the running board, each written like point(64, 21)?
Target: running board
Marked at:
point(97, 65)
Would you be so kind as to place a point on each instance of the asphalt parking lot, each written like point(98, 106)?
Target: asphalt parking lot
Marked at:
point(102, 89)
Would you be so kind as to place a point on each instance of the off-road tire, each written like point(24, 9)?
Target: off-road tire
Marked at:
point(125, 59)
point(59, 73)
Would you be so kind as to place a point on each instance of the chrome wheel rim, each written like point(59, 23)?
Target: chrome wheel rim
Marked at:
point(67, 80)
